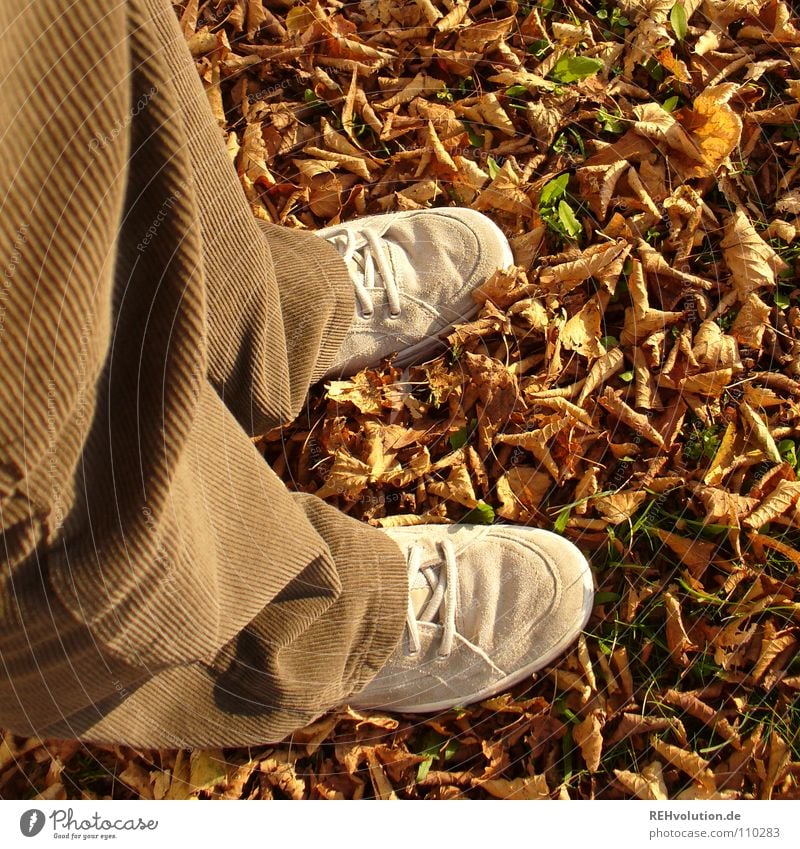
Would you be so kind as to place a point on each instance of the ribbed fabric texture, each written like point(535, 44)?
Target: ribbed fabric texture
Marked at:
point(160, 586)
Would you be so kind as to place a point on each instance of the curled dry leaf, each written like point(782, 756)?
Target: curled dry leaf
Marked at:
point(678, 641)
point(587, 734)
point(690, 763)
point(751, 322)
point(780, 500)
point(612, 402)
point(531, 787)
point(648, 784)
point(581, 333)
point(520, 492)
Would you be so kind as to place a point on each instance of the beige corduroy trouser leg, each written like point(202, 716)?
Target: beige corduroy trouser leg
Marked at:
point(159, 586)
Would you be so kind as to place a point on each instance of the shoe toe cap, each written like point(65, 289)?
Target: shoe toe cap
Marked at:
point(534, 605)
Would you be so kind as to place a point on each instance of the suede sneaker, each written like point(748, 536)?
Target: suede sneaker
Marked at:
point(487, 606)
point(413, 273)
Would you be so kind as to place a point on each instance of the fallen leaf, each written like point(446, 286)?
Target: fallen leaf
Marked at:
point(753, 263)
point(690, 763)
point(589, 739)
point(532, 787)
point(647, 784)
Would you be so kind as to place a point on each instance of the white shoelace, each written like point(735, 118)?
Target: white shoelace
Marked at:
point(443, 581)
point(362, 251)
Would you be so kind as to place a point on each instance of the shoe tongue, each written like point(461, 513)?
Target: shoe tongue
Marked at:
point(421, 592)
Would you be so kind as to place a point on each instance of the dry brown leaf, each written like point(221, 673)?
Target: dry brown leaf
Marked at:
point(751, 321)
point(532, 787)
point(715, 349)
point(695, 554)
point(777, 545)
point(366, 394)
point(710, 383)
point(561, 405)
point(771, 649)
point(779, 756)
point(589, 739)
point(348, 477)
point(648, 784)
point(715, 127)
point(753, 263)
point(620, 506)
point(407, 520)
point(565, 276)
point(207, 769)
point(781, 499)
point(597, 183)
point(458, 487)
point(520, 492)
point(678, 641)
point(611, 401)
point(691, 704)
point(536, 442)
point(602, 370)
point(759, 434)
point(690, 763)
point(582, 332)
point(504, 194)
point(655, 123)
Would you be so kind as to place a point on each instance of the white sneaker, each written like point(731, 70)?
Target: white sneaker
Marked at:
point(488, 605)
point(414, 273)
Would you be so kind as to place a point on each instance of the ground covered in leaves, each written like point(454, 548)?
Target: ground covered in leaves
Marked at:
point(634, 382)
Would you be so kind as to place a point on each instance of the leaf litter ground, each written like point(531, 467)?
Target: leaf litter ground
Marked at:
point(633, 382)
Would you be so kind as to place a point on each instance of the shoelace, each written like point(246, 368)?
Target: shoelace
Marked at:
point(444, 583)
point(362, 252)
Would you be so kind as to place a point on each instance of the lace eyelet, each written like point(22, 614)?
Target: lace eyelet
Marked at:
point(394, 315)
point(366, 315)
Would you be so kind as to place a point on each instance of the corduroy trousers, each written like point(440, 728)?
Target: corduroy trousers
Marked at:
point(160, 586)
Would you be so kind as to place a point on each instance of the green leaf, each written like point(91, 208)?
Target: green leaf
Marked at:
point(561, 520)
point(782, 300)
point(611, 123)
point(516, 90)
point(627, 376)
point(538, 48)
point(609, 342)
point(431, 745)
point(677, 17)
point(553, 190)
point(570, 69)
point(481, 514)
point(459, 438)
point(450, 749)
point(788, 451)
point(670, 103)
point(494, 168)
point(604, 597)
point(567, 218)
point(474, 139)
